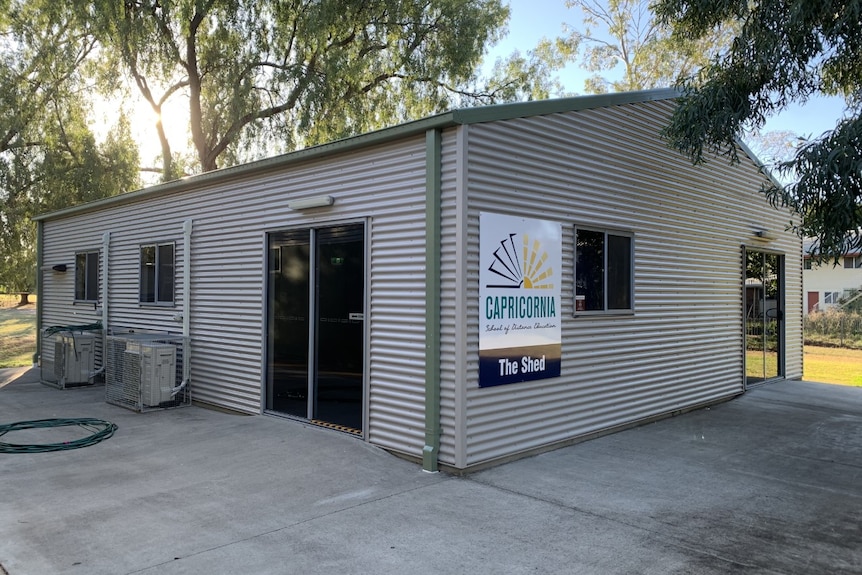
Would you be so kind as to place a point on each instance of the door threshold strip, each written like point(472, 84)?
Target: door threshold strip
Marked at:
point(336, 427)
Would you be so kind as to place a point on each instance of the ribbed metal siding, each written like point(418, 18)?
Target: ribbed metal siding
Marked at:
point(58, 292)
point(397, 345)
point(384, 186)
point(683, 346)
point(794, 311)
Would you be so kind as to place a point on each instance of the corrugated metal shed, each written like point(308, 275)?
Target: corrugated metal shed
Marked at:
point(683, 346)
point(384, 184)
point(595, 161)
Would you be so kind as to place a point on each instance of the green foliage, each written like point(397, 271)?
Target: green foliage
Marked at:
point(295, 73)
point(519, 78)
point(851, 302)
point(624, 33)
point(828, 189)
point(49, 157)
point(833, 327)
point(784, 51)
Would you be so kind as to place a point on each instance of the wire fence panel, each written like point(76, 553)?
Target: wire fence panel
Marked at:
point(833, 328)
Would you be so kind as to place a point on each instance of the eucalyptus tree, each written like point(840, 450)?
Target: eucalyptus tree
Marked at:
point(624, 36)
point(263, 76)
point(49, 155)
point(785, 51)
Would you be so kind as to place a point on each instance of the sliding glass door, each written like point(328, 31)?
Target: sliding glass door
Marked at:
point(764, 316)
point(316, 296)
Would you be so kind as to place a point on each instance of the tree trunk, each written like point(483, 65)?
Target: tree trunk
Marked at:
point(25, 299)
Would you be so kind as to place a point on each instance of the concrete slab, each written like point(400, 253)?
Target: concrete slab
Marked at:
point(768, 483)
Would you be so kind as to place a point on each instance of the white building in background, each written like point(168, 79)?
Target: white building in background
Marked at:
point(464, 289)
point(825, 284)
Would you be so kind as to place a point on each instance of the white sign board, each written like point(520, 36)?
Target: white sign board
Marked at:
point(520, 331)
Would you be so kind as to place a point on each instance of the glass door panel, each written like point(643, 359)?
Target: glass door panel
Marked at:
point(315, 341)
point(771, 316)
point(764, 326)
point(288, 323)
point(340, 305)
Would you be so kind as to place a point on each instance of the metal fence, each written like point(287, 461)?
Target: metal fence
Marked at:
point(833, 328)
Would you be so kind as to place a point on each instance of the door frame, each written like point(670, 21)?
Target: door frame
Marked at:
point(782, 322)
point(366, 329)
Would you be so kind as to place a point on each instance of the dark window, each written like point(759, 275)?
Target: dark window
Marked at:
point(852, 262)
point(157, 273)
point(87, 276)
point(603, 271)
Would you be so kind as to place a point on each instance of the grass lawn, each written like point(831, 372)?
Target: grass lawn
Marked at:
point(756, 364)
point(17, 333)
point(833, 365)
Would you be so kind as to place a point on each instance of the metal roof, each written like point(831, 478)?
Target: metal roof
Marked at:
point(448, 119)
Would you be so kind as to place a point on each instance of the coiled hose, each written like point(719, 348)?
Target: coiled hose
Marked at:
point(98, 428)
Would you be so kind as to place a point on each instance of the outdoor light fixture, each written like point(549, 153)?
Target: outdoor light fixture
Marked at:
point(315, 202)
point(59, 268)
point(765, 235)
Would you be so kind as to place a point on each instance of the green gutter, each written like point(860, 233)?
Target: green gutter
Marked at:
point(433, 176)
point(36, 354)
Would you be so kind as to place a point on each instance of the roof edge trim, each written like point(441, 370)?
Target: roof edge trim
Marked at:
point(573, 104)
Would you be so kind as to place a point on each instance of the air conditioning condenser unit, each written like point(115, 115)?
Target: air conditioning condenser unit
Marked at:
point(156, 366)
point(146, 371)
point(74, 355)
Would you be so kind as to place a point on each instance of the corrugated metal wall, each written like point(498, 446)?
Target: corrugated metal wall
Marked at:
point(58, 292)
point(602, 168)
point(607, 168)
point(385, 184)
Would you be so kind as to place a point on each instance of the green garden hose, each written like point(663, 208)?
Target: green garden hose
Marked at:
point(58, 328)
point(98, 428)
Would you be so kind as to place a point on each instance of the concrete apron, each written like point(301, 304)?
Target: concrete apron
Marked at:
point(768, 483)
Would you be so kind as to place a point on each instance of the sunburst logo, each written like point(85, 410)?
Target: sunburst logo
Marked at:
point(527, 271)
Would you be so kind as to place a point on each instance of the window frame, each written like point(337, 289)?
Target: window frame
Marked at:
point(831, 297)
point(158, 268)
point(88, 289)
point(854, 261)
point(605, 311)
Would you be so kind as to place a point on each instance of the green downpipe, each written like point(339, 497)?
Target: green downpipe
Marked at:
point(36, 354)
point(433, 174)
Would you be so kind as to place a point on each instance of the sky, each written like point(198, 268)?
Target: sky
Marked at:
point(531, 20)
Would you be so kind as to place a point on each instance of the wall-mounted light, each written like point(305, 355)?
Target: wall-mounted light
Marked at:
point(307, 203)
point(61, 268)
point(765, 235)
